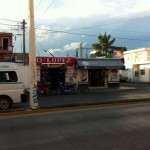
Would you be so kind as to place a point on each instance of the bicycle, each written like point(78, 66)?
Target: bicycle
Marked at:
point(66, 88)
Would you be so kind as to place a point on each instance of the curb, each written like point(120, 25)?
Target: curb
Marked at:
point(74, 106)
point(113, 89)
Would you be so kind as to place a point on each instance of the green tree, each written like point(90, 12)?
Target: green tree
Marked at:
point(105, 46)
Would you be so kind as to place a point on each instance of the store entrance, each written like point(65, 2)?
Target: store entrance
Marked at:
point(96, 77)
point(56, 75)
point(51, 75)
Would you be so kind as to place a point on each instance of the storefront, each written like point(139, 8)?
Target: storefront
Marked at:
point(99, 72)
point(94, 72)
point(54, 70)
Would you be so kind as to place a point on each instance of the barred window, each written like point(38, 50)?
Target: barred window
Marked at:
point(136, 73)
point(142, 72)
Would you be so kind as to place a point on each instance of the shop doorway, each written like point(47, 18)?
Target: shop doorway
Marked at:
point(56, 75)
point(51, 75)
point(96, 77)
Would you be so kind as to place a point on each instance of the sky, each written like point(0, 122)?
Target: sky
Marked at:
point(62, 25)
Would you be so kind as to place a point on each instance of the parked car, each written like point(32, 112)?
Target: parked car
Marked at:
point(12, 86)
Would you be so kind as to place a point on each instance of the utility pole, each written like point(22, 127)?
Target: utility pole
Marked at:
point(81, 50)
point(24, 48)
point(32, 57)
point(77, 52)
point(86, 54)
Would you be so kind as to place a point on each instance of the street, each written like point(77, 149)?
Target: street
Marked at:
point(126, 91)
point(111, 128)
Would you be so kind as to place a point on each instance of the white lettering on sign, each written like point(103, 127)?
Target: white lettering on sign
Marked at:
point(68, 60)
point(48, 60)
point(59, 60)
point(56, 60)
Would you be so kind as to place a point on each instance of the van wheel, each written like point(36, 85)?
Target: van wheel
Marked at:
point(5, 103)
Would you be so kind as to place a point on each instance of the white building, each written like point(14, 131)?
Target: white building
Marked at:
point(137, 63)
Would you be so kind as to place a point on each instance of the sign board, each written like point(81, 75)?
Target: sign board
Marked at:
point(113, 75)
point(118, 54)
point(82, 76)
point(55, 60)
point(70, 74)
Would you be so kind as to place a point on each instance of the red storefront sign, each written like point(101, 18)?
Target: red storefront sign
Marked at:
point(53, 60)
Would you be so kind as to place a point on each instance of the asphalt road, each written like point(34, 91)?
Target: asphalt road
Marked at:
point(126, 91)
point(111, 128)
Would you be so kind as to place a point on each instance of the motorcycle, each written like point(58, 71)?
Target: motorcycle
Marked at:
point(44, 90)
point(66, 88)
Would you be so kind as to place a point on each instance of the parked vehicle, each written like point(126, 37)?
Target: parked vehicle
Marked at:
point(12, 86)
point(66, 88)
point(44, 90)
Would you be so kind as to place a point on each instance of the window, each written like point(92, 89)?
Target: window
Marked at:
point(3, 77)
point(8, 76)
point(5, 43)
point(142, 72)
point(136, 73)
point(7, 58)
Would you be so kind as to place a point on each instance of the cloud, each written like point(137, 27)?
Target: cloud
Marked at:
point(67, 48)
point(42, 32)
point(93, 52)
point(76, 9)
point(65, 15)
point(54, 50)
point(14, 10)
point(73, 46)
point(73, 9)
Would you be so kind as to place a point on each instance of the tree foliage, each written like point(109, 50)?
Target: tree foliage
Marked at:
point(105, 46)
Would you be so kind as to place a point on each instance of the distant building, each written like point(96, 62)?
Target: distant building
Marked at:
point(6, 47)
point(137, 63)
point(18, 57)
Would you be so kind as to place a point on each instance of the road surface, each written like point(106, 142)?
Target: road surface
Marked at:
point(111, 128)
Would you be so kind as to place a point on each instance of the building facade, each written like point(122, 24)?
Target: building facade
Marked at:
point(6, 47)
point(137, 63)
point(99, 71)
point(91, 72)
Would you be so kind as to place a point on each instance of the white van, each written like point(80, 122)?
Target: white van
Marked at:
point(12, 89)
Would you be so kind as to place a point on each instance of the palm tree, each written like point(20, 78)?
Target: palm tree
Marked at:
point(105, 45)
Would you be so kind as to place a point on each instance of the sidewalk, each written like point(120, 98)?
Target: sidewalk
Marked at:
point(110, 89)
point(97, 96)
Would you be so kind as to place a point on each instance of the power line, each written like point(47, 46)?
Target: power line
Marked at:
point(47, 8)
point(38, 5)
point(9, 20)
point(94, 35)
point(89, 34)
point(97, 29)
point(122, 30)
point(8, 24)
point(109, 23)
point(83, 28)
point(132, 39)
point(39, 8)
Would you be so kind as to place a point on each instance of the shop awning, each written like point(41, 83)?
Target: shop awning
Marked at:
point(103, 63)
